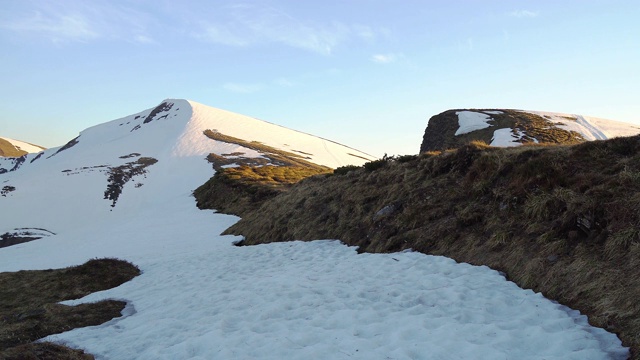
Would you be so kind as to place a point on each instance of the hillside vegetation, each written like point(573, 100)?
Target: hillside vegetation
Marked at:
point(8, 150)
point(561, 220)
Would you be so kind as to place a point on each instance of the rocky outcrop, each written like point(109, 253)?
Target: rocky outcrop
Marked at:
point(443, 129)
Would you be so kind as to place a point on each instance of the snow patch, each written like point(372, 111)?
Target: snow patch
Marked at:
point(506, 138)
point(471, 121)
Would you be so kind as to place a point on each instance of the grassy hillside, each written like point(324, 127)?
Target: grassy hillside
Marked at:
point(242, 182)
point(561, 220)
point(8, 150)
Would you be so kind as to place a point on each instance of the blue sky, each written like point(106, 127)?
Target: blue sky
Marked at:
point(367, 74)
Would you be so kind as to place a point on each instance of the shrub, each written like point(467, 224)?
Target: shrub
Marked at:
point(405, 158)
point(375, 164)
point(342, 170)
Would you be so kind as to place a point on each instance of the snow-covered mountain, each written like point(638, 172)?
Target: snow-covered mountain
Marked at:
point(505, 128)
point(130, 161)
point(11, 147)
point(124, 189)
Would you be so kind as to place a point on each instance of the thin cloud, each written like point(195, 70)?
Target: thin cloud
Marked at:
point(523, 14)
point(75, 27)
point(385, 58)
point(221, 34)
point(139, 22)
point(142, 39)
point(81, 22)
point(365, 32)
point(245, 25)
point(242, 88)
point(282, 82)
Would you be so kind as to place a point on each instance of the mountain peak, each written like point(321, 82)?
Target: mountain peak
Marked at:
point(128, 161)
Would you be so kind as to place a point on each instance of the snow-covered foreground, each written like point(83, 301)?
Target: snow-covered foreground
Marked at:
point(200, 297)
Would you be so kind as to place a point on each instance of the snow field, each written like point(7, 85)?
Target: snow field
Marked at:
point(206, 298)
point(200, 297)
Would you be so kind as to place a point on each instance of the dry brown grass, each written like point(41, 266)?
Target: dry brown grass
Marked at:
point(560, 220)
point(276, 156)
point(29, 308)
point(44, 351)
point(8, 150)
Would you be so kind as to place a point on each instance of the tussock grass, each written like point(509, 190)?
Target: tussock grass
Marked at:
point(29, 308)
point(561, 220)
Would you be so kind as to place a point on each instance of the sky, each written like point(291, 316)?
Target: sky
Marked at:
point(365, 73)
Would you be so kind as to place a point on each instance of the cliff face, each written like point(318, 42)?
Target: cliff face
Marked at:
point(498, 127)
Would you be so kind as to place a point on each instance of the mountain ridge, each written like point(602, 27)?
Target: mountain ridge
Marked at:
point(508, 127)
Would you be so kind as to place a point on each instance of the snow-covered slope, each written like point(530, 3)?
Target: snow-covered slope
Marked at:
point(131, 161)
point(591, 128)
point(200, 297)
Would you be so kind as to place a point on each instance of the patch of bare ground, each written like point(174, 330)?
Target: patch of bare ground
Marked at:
point(561, 220)
point(30, 309)
point(120, 175)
